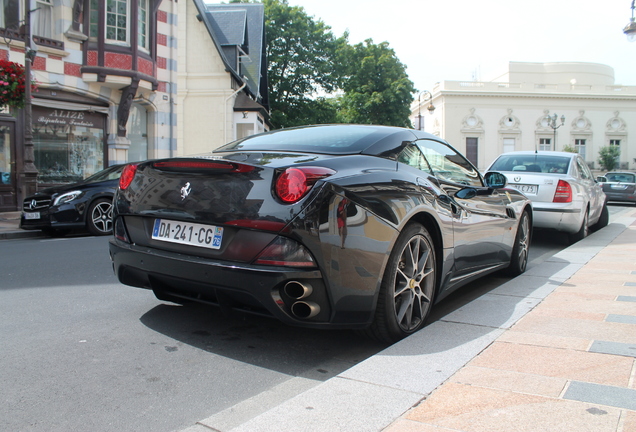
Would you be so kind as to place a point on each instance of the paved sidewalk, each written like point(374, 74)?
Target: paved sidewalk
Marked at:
point(551, 350)
point(10, 227)
point(568, 365)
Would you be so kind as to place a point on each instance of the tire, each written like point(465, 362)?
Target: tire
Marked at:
point(408, 287)
point(99, 219)
point(583, 231)
point(603, 221)
point(519, 258)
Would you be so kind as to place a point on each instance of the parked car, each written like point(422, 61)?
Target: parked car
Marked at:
point(619, 186)
point(341, 226)
point(564, 193)
point(86, 205)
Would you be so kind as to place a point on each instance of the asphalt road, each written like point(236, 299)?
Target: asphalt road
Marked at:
point(79, 351)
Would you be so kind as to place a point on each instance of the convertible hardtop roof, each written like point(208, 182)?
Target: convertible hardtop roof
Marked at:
point(336, 139)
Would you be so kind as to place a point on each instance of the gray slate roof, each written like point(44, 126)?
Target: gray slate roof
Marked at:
point(238, 31)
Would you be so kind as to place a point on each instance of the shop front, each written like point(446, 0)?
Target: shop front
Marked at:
point(68, 144)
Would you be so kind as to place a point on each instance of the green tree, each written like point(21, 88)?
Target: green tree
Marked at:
point(377, 89)
point(608, 157)
point(301, 53)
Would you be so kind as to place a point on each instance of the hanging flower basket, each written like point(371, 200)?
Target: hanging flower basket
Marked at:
point(12, 84)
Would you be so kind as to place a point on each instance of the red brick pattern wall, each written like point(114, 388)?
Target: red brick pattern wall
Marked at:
point(162, 39)
point(92, 58)
point(72, 69)
point(118, 61)
point(39, 63)
point(162, 62)
point(162, 16)
point(146, 67)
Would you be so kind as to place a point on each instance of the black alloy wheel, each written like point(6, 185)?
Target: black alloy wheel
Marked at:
point(408, 287)
point(519, 258)
point(99, 219)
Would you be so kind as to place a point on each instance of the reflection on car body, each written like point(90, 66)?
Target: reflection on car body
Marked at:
point(332, 226)
point(86, 205)
point(563, 191)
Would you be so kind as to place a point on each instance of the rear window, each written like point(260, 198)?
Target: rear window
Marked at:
point(532, 163)
point(332, 139)
point(621, 177)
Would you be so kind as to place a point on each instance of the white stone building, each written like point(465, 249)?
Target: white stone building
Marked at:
point(485, 119)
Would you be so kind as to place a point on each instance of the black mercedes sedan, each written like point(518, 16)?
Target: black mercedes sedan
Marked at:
point(329, 226)
point(85, 205)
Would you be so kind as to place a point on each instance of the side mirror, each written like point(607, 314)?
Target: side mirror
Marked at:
point(466, 193)
point(495, 180)
point(601, 179)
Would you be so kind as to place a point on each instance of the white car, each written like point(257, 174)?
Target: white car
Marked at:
point(564, 194)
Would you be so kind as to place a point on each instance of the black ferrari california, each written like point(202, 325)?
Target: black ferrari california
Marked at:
point(339, 226)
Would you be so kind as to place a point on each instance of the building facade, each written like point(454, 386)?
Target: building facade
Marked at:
point(106, 77)
point(222, 74)
point(516, 112)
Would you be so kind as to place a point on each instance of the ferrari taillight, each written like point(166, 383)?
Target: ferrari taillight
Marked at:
point(294, 183)
point(563, 192)
point(127, 176)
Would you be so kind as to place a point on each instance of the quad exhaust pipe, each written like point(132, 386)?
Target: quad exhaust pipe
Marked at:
point(298, 291)
point(305, 310)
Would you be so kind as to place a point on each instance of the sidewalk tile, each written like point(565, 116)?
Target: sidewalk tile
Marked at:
point(404, 425)
point(559, 363)
point(474, 409)
point(561, 301)
point(510, 381)
point(582, 329)
point(600, 394)
point(520, 337)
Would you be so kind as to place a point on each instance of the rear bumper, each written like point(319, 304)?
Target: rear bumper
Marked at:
point(564, 219)
point(624, 197)
point(250, 288)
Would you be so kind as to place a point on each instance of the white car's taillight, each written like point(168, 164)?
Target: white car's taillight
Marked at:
point(563, 192)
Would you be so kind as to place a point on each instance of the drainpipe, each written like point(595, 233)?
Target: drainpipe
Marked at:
point(226, 100)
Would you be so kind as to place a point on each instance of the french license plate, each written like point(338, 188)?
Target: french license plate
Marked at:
point(524, 188)
point(619, 187)
point(208, 236)
point(32, 215)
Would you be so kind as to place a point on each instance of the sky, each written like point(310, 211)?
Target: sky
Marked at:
point(467, 40)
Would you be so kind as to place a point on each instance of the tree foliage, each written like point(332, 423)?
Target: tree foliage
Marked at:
point(316, 77)
point(377, 89)
point(301, 54)
point(608, 157)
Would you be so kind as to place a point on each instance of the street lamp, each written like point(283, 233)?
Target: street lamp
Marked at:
point(430, 107)
point(630, 28)
point(552, 122)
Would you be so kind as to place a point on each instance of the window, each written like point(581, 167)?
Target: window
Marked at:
point(545, 144)
point(43, 19)
point(10, 14)
point(117, 21)
point(579, 146)
point(142, 29)
point(93, 26)
point(122, 19)
point(448, 165)
point(508, 145)
point(471, 149)
point(412, 156)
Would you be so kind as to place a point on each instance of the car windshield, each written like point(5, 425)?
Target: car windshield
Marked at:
point(621, 177)
point(331, 139)
point(111, 173)
point(532, 163)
